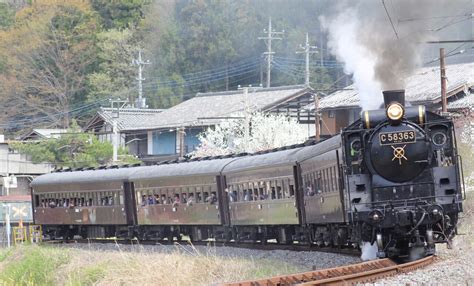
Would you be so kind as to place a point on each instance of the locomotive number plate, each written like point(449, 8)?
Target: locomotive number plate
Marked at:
point(389, 138)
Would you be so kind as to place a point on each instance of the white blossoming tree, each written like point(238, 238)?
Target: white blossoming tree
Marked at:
point(466, 145)
point(254, 132)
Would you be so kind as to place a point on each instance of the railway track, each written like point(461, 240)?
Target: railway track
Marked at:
point(344, 275)
point(259, 246)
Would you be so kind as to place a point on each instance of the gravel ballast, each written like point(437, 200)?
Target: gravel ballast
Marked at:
point(303, 260)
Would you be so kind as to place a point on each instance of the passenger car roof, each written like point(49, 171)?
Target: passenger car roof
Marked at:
point(284, 157)
point(206, 167)
point(89, 176)
point(319, 148)
point(269, 159)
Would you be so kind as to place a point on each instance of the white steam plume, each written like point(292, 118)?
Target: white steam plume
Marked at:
point(362, 37)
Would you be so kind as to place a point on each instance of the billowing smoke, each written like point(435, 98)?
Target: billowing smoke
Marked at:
point(380, 56)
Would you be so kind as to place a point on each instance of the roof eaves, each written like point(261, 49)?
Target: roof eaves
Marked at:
point(299, 93)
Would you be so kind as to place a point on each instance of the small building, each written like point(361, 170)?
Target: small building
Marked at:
point(41, 134)
point(341, 108)
point(17, 171)
point(129, 127)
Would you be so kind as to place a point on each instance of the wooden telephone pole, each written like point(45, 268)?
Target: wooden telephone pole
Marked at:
point(444, 100)
point(317, 129)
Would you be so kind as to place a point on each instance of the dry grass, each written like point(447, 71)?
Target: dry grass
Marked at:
point(184, 266)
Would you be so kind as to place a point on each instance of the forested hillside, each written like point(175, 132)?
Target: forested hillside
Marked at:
point(60, 60)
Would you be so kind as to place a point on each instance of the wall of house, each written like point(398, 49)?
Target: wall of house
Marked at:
point(12, 162)
point(21, 168)
point(333, 121)
point(137, 144)
point(106, 135)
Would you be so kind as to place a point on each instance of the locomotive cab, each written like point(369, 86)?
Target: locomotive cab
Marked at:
point(403, 177)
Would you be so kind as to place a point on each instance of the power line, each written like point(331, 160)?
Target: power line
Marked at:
point(210, 73)
point(431, 18)
point(390, 19)
point(452, 23)
point(219, 75)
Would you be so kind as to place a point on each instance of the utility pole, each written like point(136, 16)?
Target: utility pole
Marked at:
point(317, 130)
point(117, 105)
point(307, 49)
point(181, 134)
point(7, 224)
point(443, 81)
point(270, 35)
point(140, 102)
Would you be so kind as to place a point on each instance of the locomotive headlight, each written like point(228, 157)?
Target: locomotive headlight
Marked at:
point(395, 111)
point(376, 216)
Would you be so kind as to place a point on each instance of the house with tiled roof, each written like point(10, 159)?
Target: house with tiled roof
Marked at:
point(41, 134)
point(129, 122)
point(341, 108)
point(165, 133)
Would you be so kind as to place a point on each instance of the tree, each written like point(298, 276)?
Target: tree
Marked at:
point(255, 132)
point(73, 149)
point(47, 54)
point(121, 14)
point(116, 74)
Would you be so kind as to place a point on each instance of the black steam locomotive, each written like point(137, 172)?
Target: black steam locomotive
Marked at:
point(403, 177)
point(392, 178)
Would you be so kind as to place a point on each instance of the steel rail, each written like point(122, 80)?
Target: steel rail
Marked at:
point(344, 275)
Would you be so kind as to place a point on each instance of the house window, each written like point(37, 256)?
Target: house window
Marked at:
point(332, 114)
point(164, 143)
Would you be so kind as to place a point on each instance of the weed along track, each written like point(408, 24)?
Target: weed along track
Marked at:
point(268, 247)
point(344, 275)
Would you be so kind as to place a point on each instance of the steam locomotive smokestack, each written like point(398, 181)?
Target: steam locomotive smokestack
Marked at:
point(394, 96)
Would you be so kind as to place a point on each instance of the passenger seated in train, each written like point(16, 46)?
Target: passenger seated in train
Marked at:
point(164, 200)
point(176, 201)
point(198, 197)
point(52, 203)
point(151, 200)
point(310, 191)
point(157, 199)
point(232, 197)
point(246, 195)
point(183, 198)
point(144, 201)
point(212, 199)
point(190, 200)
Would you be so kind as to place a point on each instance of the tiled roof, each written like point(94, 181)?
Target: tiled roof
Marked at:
point(421, 88)
point(43, 134)
point(210, 108)
point(128, 118)
point(462, 103)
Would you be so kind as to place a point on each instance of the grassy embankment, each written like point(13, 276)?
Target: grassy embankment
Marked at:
point(49, 265)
